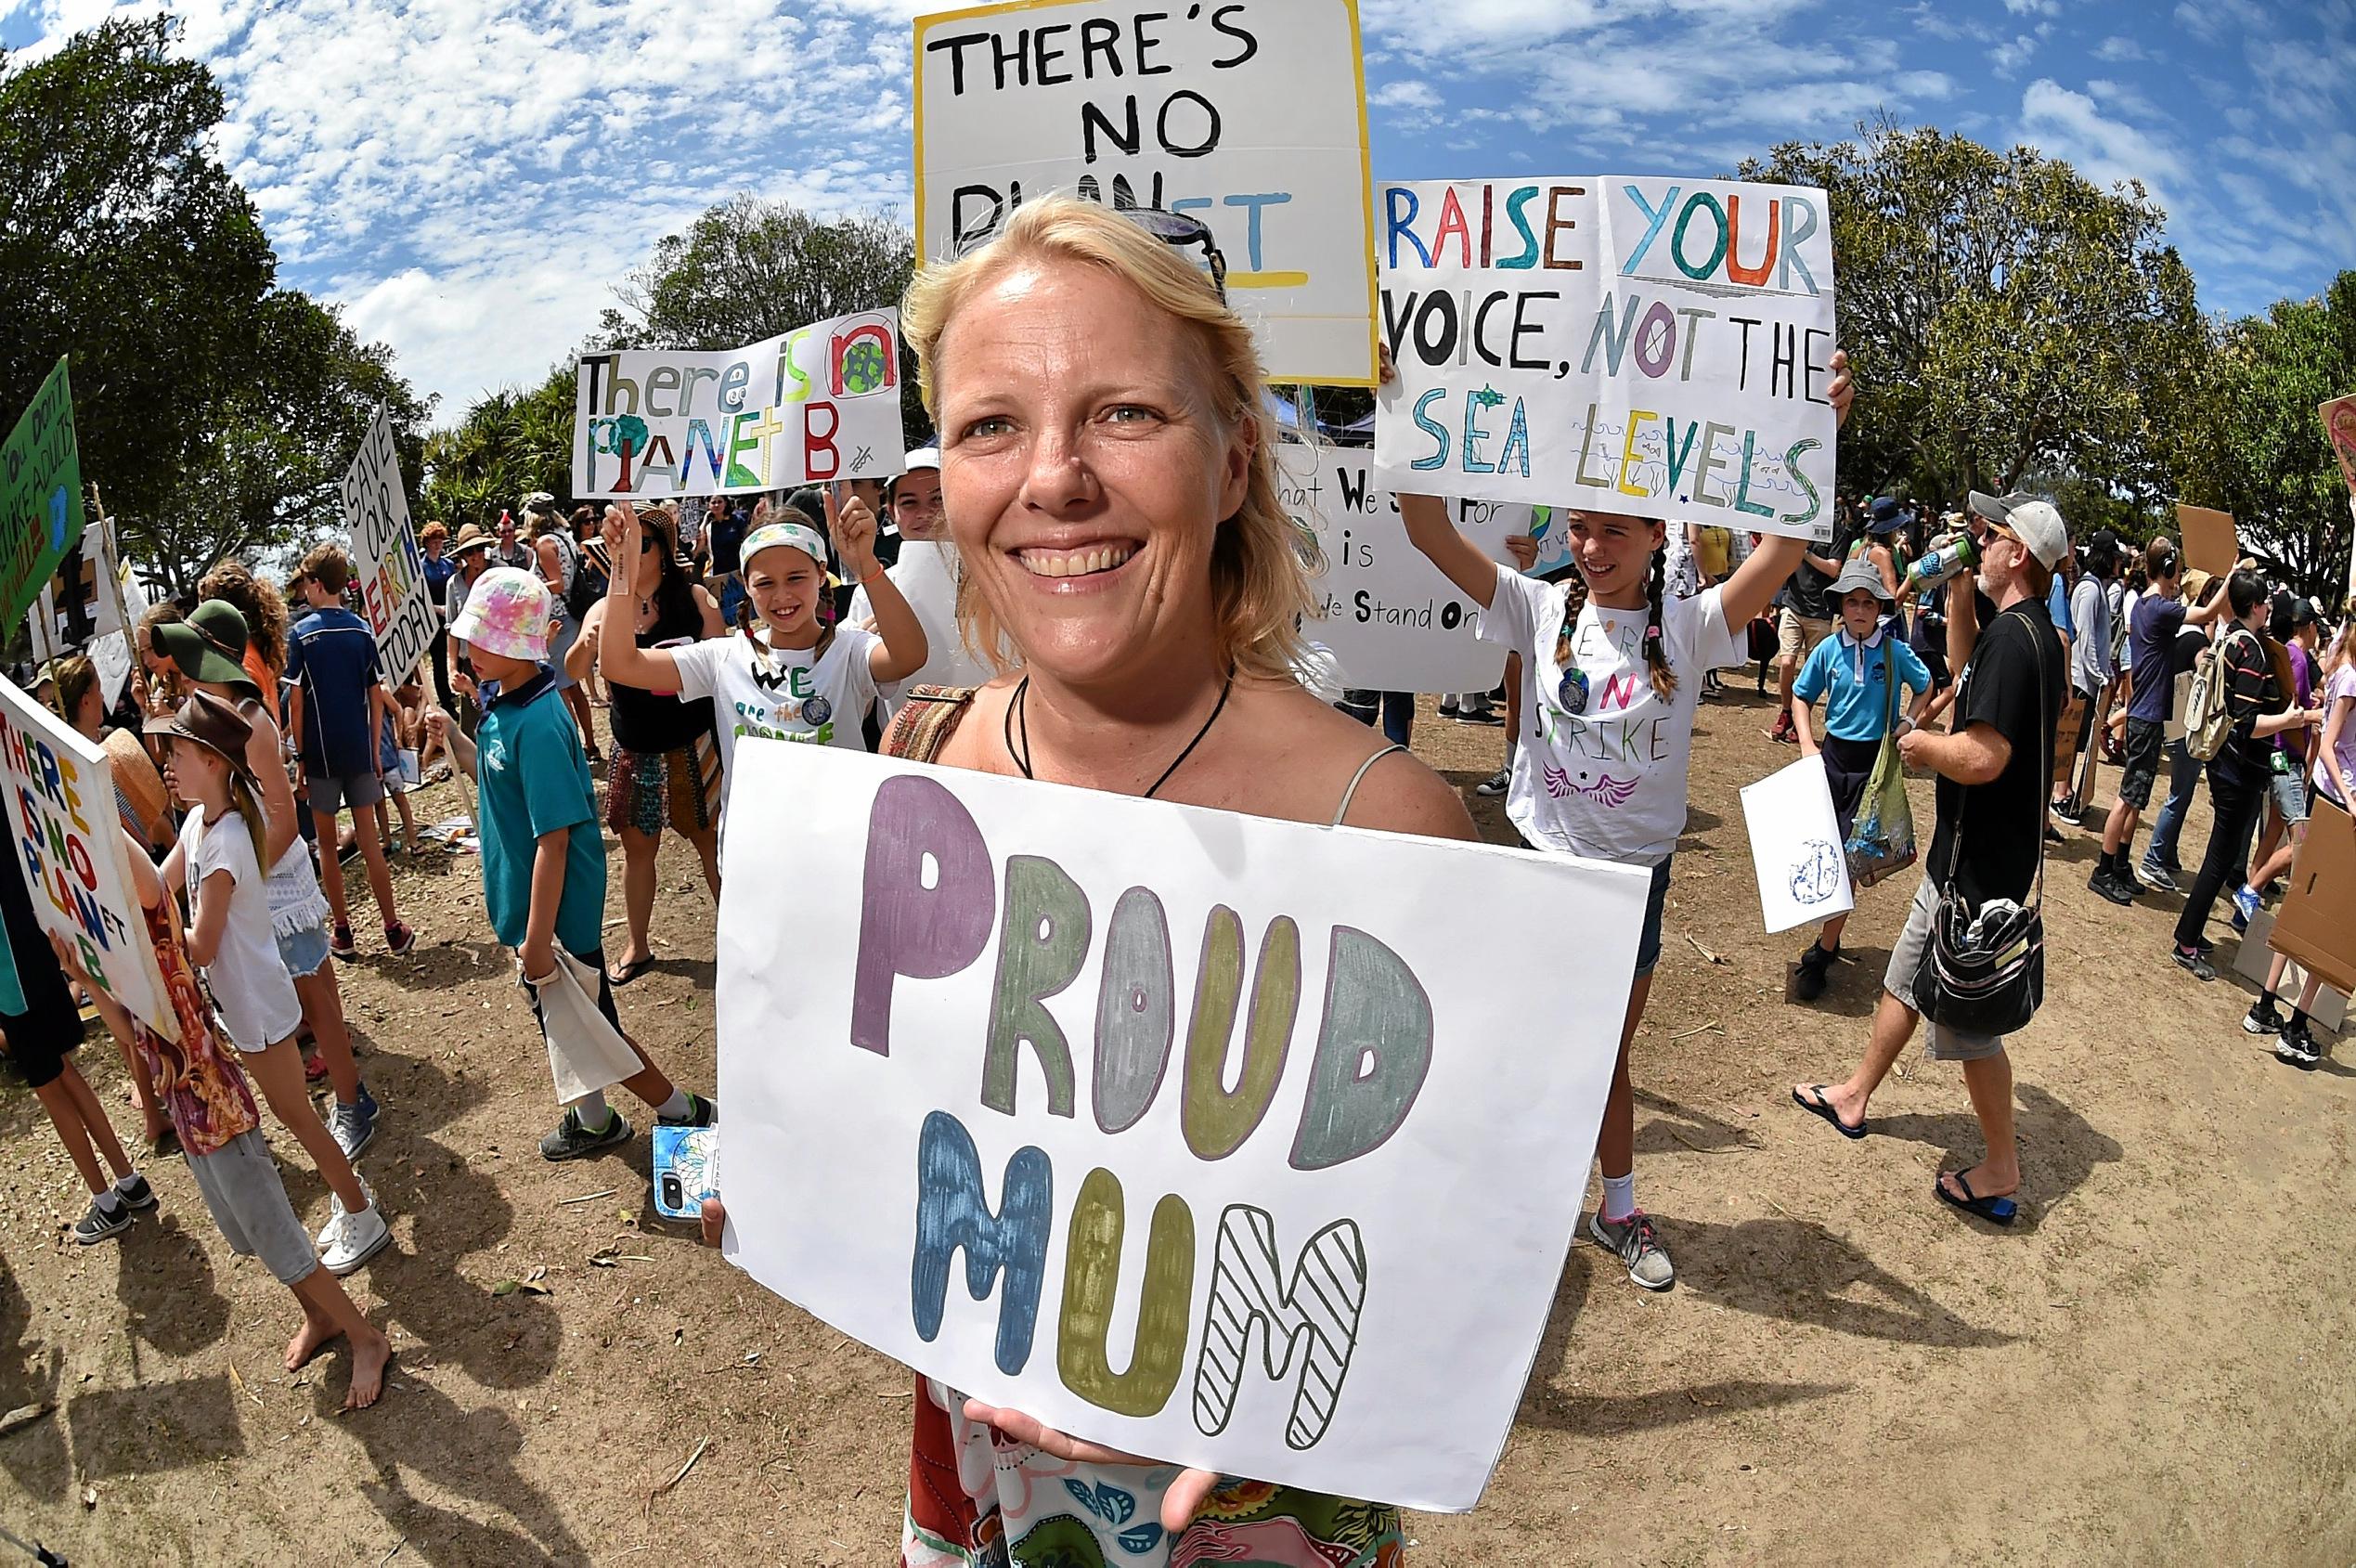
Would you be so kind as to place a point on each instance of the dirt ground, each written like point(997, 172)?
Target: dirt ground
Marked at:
point(2151, 1367)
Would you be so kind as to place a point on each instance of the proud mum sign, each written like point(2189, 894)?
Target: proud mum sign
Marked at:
point(1190, 1133)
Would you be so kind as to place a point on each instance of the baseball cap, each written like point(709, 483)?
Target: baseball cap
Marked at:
point(507, 614)
point(923, 457)
point(2033, 522)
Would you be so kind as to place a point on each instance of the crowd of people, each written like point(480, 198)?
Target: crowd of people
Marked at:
point(1105, 474)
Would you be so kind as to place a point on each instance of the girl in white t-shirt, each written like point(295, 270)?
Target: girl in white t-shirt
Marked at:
point(230, 938)
point(1609, 693)
point(792, 677)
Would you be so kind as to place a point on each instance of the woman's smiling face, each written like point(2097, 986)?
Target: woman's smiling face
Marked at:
point(1084, 468)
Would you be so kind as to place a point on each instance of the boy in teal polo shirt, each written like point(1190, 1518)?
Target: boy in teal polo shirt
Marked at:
point(1855, 671)
point(543, 859)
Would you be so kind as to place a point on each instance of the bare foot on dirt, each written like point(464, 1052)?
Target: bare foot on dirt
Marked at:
point(368, 1359)
point(311, 1339)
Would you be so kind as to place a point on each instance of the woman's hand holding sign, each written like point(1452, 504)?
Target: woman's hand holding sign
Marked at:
point(1179, 1504)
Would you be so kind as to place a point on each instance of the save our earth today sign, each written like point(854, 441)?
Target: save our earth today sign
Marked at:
point(40, 496)
point(1189, 1133)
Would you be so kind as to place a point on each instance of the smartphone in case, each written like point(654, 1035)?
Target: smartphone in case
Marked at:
point(683, 1170)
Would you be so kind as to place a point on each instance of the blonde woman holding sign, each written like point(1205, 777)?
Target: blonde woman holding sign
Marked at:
point(1109, 480)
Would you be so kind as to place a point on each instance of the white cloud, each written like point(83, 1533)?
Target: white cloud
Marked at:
point(2034, 7)
point(470, 177)
point(2117, 49)
point(1404, 95)
point(2010, 56)
point(2070, 126)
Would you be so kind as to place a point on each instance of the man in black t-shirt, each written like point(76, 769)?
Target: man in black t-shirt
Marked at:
point(1993, 770)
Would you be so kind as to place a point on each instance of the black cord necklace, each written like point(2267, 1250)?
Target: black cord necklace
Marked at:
point(1017, 723)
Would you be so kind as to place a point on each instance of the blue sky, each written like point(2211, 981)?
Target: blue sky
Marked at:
point(469, 177)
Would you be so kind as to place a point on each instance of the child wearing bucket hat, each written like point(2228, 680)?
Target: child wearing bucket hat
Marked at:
point(540, 810)
point(792, 678)
point(1855, 671)
point(207, 651)
point(219, 857)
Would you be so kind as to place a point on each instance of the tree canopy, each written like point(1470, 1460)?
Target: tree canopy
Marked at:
point(2004, 316)
point(215, 410)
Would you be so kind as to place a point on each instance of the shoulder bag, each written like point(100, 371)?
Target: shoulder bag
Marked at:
point(1882, 839)
point(1983, 971)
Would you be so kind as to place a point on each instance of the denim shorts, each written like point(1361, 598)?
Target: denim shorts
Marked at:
point(2291, 795)
point(304, 951)
point(1649, 944)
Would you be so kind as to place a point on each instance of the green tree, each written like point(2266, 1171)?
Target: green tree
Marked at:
point(2258, 448)
point(273, 444)
point(123, 242)
point(2005, 318)
point(508, 445)
point(749, 269)
point(215, 412)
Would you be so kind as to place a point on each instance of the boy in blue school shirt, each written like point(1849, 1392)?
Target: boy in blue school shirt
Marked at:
point(1853, 670)
point(339, 703)
point(540, 809)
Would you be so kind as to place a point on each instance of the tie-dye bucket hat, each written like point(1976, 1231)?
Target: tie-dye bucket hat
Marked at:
point(507, 614)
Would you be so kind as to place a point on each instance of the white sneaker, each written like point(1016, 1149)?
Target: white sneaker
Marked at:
point(358, 1237)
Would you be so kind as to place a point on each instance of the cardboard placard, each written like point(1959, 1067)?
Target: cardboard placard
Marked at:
point(2339, 428)
point(385, 554)
point(67, 836)
point(2211, 543)
point(1651, 347)
point(2254, 955)
point(1391, 618)
point(2317, 922)
point(816, 403)
point(962, 1014)
point(1250, 117)
point(1795, 846)
point(40, 495)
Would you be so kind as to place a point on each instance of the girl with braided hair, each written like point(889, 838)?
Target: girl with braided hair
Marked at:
point(1609, 693)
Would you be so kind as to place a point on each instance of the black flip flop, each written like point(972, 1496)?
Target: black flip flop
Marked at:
point(1995, 1211)
point(1820, 1107)
point(632, 971)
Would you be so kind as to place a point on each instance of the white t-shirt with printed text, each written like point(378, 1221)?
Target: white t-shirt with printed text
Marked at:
point(251, 988)
point(781, 693)
point(1607, 783)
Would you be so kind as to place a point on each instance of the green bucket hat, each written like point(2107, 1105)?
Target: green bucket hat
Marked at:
point(208, 647)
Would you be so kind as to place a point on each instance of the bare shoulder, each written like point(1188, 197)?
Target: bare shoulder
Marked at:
point(978, 742)
point(1318, 757)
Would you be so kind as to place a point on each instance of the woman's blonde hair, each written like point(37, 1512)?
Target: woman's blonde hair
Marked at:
point(1259, 583)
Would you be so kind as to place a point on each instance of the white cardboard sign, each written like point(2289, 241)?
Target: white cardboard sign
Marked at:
point(973, 1031)
point(65, 832)
point(1653, 346)
point(1795, 846)
point(1250, 116)
point(385, 554)
point(1390, 616)
point(817, 404)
